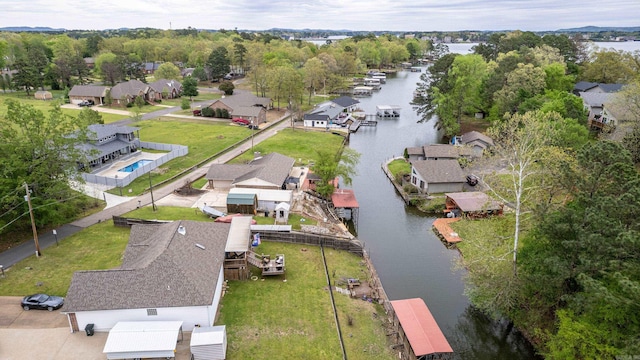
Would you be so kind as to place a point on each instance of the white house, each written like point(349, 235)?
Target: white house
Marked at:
point(170, 272)
point(437, 176)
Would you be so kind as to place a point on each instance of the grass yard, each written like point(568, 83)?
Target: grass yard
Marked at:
point(263, 318)
point(298, 144)
point(203, 138)
point(485, 237)
point(270, 316)
point(399, 166)
point(295, 220)
point(99, 247)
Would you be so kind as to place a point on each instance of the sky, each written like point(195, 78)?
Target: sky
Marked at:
point(358, 15)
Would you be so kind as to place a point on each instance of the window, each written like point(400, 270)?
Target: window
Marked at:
point(421, 184)
point(152, 312)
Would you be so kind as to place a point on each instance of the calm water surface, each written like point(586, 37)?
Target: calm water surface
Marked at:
point(410, 259)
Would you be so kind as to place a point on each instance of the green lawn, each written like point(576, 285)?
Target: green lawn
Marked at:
point(295, 317)
point(263, 317)
point(203, 138)
point(99, 247)
point(298, 144)
point(399, 166)
point(295, 221)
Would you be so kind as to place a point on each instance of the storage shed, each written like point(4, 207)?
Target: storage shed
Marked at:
point(209, 343)
point(143, 339)
point(43, 95)
point(242, 203)
point(282, 213)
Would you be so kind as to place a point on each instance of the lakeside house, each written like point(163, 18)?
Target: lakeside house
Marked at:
point(437, 176)
point(169, 272)
point(245, 106)
point(270, 171)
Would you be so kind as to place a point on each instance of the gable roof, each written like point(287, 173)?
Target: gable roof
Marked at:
point(246, 99)
point(344, 198)
point(320, 117)
point(422, 330)
point(273, 168)
point(160, 85)
point(582, 86)
point(345, 101)
point(596, 99)
point(417, 150)
point(88, 90)
point(129, 88)
point(439, 171)
point(472, 136)
point(446, 151)
point(162, 267)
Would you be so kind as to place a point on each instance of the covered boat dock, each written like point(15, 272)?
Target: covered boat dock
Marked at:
point(418, 331)
point(474, 204)
point(346, 205)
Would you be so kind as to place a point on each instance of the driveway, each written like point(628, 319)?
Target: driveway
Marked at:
point(44, 335)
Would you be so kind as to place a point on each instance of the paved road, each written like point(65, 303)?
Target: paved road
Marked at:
point(24, 250)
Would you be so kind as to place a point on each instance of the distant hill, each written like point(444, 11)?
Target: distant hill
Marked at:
point(599, 29)
point(28, 28)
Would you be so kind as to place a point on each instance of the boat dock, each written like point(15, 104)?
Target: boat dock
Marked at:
point(388, 111)
point(355, 125)
point(445, 232)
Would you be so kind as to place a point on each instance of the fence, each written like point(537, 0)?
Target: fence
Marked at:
point(338, 243)
point(174, 151)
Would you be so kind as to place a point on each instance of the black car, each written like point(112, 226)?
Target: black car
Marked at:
point(472, 180)
point(42, 302)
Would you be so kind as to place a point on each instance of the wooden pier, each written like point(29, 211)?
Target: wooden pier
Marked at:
point(444, 231)
point(355, 125)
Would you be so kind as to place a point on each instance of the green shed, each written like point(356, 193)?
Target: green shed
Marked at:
point(242, 203)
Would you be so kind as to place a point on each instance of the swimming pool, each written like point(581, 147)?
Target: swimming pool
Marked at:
point(135, 165)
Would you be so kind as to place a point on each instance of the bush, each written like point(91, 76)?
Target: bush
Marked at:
point(129, 105)
point(184, 104)
point(227, 87)
point(224, 113)
point(207, 112)
point(218, 113)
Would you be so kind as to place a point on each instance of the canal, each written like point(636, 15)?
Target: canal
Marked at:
point(410, 260)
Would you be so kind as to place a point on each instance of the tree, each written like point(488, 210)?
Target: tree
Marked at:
point(227, 87)
point(199, 73)
point(190, 87)
point(184, 104)
point(521, 140)
point(328, 166)
point(37, 150)
point(218, 62)
point(314, 75)
point(432, 82)
point(109, 67)
point(610, 67)
point(582, 265)
point(462, 95)
point(167, 71)
point(522, 83)
point(88, 117)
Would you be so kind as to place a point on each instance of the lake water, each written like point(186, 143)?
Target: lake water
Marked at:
point(409, 257)
point(630, 46)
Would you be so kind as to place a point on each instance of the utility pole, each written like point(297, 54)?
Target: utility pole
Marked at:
point(153, 204)
point(33, 222)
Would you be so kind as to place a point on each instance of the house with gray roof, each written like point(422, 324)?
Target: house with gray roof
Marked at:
point(171, 271)
point(173, 89)
point(586, 86)
point(603, 114)
point(437, 176)
point(126, 92)
point(439, 152)
point(79, 93)
point(267, 172)
point(244, 105)
point(331, 112)
point(477, 141)
point(109, 142)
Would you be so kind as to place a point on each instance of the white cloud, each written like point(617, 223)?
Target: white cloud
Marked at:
point(361, 15)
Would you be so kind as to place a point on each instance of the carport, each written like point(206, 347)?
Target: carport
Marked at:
point(143, 339)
